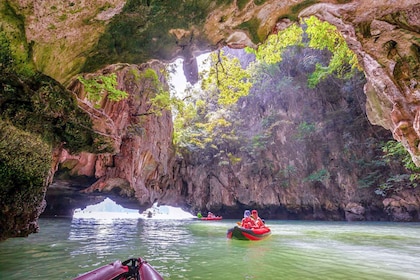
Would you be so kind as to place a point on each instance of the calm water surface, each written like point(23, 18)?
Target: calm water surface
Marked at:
point(200, 250)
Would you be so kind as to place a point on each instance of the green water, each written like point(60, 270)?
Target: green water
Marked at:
point(200, 250)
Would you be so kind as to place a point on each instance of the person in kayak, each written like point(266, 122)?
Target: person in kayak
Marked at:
point(258, 223)
point(247, 221)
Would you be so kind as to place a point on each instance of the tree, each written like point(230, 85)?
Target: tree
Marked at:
point(227, 76)
point(323, 35)
point(272, 49)
point(99, 87)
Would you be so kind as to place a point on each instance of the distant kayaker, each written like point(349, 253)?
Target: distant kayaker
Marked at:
point(247, 221)
point(258, 223)
point(199, 215)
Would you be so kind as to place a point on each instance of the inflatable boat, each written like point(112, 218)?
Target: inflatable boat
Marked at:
point(133, 269)
point(214, 218)
point(241, 233)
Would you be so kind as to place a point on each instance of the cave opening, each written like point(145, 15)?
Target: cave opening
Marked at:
point(108, 209)
point(212, 123)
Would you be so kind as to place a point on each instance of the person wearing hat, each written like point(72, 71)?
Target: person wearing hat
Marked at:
point(247, 221)
point(258, 223)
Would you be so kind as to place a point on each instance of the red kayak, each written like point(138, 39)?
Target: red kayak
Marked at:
point(241, 233)
point(214, 218)
point(135, 269)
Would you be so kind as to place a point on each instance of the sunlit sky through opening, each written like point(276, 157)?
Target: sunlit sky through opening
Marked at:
point(178, 80)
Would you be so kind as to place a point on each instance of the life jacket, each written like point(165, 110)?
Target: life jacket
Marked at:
point(258, 223)
point(248, 222)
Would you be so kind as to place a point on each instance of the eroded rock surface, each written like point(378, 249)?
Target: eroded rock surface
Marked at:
point(384, 35)
point(386, 40)
point(143, 157)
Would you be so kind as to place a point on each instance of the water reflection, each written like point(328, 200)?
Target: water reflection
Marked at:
point(101, 237)
point(200, 250)
point(164, 240)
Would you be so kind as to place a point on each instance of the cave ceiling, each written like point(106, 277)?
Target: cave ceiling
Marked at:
point(66, 38)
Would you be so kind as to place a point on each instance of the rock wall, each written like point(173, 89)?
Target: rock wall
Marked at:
point(143, 154)
point(386, 40)
point(303, 154)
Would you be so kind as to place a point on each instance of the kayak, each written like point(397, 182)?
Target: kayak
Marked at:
point(241, 233)
point(130, 269)
point(215, 218)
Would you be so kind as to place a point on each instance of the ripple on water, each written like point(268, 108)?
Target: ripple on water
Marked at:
point(200, 250)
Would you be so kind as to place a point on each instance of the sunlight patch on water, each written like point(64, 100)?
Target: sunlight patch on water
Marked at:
point(109, 210)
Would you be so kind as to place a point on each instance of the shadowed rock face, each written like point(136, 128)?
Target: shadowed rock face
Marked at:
point(386, 40)
point(304, 154)
point(67, 38)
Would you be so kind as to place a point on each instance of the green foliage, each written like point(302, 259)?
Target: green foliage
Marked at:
point(227, 76)
point(399, 178)
point(305, 130)
point(323, 35)
point(233, 159)
point(259, 142)
point(317, 176)
point(194, 125)
point(150, 74)
point(160, 99)
point(395, 151)
point(12, 29)
point(25, 166)
point(285, 175)
point(102, 86)
point(393, 184)
point(6, 59)
point(272, 49)
point(203, 120)
point(370, 179)
point(268, 121)
point(10, 60)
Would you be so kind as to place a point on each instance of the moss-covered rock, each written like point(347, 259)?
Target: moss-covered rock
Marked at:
point(40, 105)
point(37, 114)
point(25, 165)
point(142, 31)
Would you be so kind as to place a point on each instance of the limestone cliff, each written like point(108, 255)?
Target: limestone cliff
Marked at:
point(298, 153)
point(143, 156)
